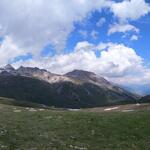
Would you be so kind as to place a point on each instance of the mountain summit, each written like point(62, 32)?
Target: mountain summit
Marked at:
point(76, 89)
point(80, 74)
point(8, 68)
point(87, 76)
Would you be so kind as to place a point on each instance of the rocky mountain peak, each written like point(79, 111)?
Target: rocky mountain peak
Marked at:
point(29, 70)
point(80, 73)
point(86, 76)
point(41, 74)
point(9, 68)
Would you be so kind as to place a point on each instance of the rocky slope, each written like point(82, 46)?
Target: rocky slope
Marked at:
point(75, 89)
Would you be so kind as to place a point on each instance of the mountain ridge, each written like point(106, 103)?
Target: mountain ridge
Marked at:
point(74, 89)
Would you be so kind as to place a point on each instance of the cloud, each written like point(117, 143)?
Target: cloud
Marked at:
point(116, 62)
point(8, 51)
point(141, 78)
point(84, 45)
point(130, 9)
point(101, 22)
point(85, 34)
point(32, 24)
point(134, 38)
point(123, 28)
point(119, 60)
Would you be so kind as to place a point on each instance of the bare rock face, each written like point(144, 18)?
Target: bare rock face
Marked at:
point(90, 77)
point(86, 76)
point(41, 74)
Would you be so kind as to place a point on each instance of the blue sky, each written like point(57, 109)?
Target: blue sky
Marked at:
point(141, 45)
point(108, 37)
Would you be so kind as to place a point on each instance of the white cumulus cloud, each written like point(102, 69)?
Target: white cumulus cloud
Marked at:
point(123, 28)
point(8, 51)
point(116, 61)
point(32, 24)
point(130, 9)
point(134, 38)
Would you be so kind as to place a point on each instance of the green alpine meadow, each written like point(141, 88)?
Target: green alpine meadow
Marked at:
point(38, 128)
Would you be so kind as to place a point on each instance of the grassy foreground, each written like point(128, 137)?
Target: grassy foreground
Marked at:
point(37, 129)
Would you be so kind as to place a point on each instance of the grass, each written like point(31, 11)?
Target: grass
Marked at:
point(13, 102)
point(66, 130)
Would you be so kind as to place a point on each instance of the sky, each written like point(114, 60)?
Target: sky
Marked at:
point(108, 37)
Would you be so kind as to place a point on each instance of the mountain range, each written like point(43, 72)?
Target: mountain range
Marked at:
point(76, 89)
